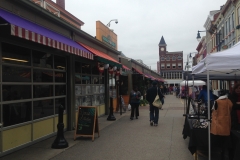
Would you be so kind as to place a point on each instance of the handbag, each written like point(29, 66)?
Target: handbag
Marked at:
point(157, 102)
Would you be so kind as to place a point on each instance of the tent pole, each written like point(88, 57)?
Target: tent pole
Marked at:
point(209, 127)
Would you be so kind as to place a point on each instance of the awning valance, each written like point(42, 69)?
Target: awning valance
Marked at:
point(126, 68)
point(146, 76)
point(25, 29)
point(138, 71)
point(102, 57)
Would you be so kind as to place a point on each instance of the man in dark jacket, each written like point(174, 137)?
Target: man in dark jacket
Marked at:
point(154, 111)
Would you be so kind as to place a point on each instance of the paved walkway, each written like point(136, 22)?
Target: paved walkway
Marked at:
point(122, 139)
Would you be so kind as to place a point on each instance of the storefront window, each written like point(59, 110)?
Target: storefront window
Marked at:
point(15, 54)
point(42, 75)
point(78, 102)
point(42, 59)
point(60, 77)
point(60, 90)
point(43, 108)
point(88, 90)
point(96, 100)
point(42, 91)
point(86, 79)
point(16, 113)
point(16, 74)
point(101, 99)
point(86, 68)
point(95, 80)
point(16, 92)
point(29, 75)
point(86, 101)
point(60, 63)
point(78, 90)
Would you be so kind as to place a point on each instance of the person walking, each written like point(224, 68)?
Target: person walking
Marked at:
point(154, 111)
point(134, 101)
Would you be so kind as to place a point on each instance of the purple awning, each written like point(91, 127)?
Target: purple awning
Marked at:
point(23, 28)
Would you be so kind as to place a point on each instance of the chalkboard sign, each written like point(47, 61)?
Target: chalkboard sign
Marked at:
point(87, 122)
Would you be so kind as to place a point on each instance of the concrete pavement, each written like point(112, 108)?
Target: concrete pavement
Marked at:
point(122, 139)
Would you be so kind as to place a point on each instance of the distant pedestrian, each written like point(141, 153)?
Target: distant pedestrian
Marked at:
point(154, 111)
point(134, 101)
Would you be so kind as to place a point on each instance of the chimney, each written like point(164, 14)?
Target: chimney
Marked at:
point(61, 3)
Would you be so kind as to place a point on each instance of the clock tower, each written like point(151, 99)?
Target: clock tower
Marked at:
point(162, 46)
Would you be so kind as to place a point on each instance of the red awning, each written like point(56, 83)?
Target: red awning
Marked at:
point(146, 76)
point(126, 68)
point(101, 54)
point(138, 71)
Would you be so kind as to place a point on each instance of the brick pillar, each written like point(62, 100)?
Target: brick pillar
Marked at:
point(61, 3)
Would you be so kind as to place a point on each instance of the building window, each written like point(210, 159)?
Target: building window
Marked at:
point(177, 75)
point(174, 58)
point(42, 88)
point(89, 88)
point(173, 65)
point(238, 15)
point(229, 23)
point(179, 65)
point(233, 20)
point(168, 58)
point(226, 28)
point(168, 66)
point(162, 66)
point(179, 58)
point(162, 58)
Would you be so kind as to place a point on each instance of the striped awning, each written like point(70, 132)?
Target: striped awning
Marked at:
point(126, 68)
point(25, 29)
point(146, 76)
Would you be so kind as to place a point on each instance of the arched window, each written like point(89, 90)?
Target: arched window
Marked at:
point(168, 58)
point(179, 58)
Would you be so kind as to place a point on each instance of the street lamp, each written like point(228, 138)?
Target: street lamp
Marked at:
point(116, 21)
point(189, 56)
point(198, 36)
point(112, 95)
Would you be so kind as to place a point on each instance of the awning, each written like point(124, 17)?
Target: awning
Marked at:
point(159, 79)
point(137, 71)
point(102, 57)
point(125, 67)
point(146, 76)
point(30, 31)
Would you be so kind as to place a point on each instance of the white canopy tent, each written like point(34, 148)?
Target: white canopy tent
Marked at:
point(193, 83)
point(225, 63)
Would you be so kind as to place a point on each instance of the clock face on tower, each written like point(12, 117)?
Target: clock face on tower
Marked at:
point(162, 48)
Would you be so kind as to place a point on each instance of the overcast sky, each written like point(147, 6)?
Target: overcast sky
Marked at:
point(142, 23)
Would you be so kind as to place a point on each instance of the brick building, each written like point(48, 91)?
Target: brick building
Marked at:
point(170, 64)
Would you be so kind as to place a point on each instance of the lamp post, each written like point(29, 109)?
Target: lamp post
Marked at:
point(111, 116)
point(116, 21)
point(198, 36)
point(187, 66)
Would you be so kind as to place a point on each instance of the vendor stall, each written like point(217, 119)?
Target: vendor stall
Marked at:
point(225, 64)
